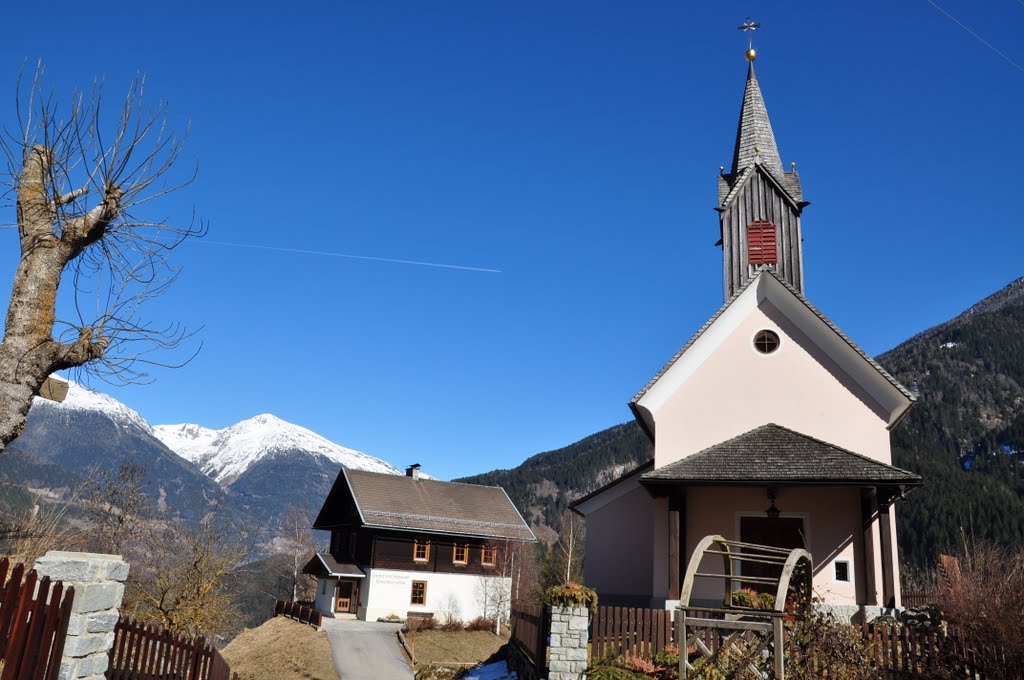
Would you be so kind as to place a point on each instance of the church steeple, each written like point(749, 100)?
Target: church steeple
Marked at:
point(754, 137)
point(759, 202)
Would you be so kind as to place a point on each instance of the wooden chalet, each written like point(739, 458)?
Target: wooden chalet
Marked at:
point(407, 544)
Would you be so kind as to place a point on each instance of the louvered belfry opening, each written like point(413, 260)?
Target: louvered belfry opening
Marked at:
point(762, 243)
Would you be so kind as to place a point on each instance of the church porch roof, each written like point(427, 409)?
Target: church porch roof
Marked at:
point(775, 455)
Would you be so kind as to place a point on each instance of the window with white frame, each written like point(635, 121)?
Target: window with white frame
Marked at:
point(843, 571)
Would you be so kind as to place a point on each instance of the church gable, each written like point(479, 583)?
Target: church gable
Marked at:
point(768, 356)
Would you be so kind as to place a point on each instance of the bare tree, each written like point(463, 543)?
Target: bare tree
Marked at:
point(115, 503)
point(81, 181)
point(44, 526)
point(295, 545)
point(512, 578)
point(527, 578)
point(180, 579)
point(566, 561)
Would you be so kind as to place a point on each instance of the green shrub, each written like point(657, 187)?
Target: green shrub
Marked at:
point(664, 666)
point(668, 657)
point(614, 673)
point(885, 620)
point(747, 597)
point(614, 668)
point(571, 595)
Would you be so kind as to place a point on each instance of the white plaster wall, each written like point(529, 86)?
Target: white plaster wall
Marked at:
point(324, 600)
point(737, 389)
point(389, 591)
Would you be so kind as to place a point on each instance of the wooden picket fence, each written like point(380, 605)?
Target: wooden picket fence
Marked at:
point(34, 615)
point(624, 631)
point(529, 633)
point(918, 598)
point(299, 612)
point(913, 653)
point(147, 652)
point(628, 631)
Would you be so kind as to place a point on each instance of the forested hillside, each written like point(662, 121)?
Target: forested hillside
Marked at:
point(967, 429)
point(544, 484)
point(964, 436)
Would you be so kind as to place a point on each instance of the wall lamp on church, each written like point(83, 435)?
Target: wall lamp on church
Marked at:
point(772, 512)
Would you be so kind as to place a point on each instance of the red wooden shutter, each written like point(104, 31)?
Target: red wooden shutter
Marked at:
point(762, 247)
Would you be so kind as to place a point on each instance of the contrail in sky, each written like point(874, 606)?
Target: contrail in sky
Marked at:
point(351, 257)
point(976, 36)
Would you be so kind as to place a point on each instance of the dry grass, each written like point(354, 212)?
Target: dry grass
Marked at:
point(281, 649)
point(464, 646)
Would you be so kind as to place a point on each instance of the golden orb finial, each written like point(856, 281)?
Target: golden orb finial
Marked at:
point(751, 54)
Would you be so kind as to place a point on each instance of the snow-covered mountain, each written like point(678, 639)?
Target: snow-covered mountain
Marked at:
point(91, 433)
point(258, 468)
point(82, 399)
point(225, 455)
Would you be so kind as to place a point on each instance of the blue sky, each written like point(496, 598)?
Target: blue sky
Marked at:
point(574, 147)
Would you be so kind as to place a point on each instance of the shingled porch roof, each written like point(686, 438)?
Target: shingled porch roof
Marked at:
point(775, 455)
point(322, 565)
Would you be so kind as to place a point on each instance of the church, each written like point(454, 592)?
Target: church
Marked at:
point(769, 426)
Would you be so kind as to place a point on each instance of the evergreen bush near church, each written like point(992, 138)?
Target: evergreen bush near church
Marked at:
point(571, 595)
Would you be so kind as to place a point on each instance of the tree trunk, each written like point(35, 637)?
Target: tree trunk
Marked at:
point(29, 354)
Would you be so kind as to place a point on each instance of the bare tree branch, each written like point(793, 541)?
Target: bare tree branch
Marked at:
point(80, 179)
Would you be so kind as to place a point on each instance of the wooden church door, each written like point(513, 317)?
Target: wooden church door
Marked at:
point(781, 532)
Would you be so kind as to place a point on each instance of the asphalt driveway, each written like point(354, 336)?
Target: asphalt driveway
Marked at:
point(366, 650)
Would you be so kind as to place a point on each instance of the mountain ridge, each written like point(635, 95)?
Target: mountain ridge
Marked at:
point(261, 467)
point(227, 454)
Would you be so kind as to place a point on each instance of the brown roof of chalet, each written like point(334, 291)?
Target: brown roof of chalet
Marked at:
point(772, 454)
point(429, 505)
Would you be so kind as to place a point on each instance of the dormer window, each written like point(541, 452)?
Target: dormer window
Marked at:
point(762, 245)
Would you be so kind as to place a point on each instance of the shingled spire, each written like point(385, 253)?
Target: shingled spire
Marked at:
point(754, 136)
point(759, 203)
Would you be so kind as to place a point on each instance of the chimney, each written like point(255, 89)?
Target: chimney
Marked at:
point(413, 471)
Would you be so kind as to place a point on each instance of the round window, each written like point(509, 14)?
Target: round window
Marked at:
point(766, 342)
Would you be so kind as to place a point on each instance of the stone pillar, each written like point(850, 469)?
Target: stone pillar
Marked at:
point(99, 588)
point(568, 646)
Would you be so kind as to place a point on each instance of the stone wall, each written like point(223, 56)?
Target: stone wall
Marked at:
point(568, 646)
point(99, 588)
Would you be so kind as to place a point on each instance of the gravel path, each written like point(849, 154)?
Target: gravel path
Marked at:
point(366, 650)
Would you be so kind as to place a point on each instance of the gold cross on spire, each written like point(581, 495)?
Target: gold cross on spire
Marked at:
point(748, 27)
